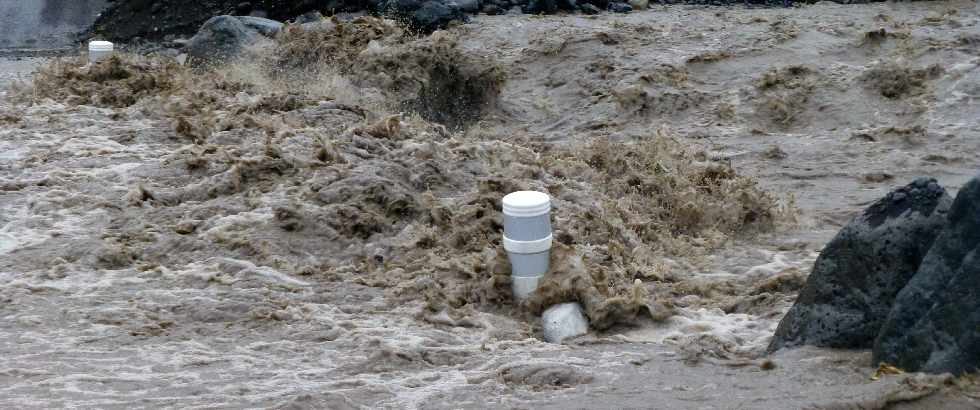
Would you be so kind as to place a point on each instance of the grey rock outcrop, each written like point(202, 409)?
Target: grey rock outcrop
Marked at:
point(934, 325)
point(435, 15)
point(425, 16)
point(469, 6)
point(224, 37)
point(859, 273)
point(265, 27)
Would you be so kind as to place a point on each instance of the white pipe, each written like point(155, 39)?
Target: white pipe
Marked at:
point(99, 50)
point(527, 239)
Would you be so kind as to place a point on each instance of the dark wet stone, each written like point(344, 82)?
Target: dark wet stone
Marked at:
point(922, 182)
point(424, 16)
point(403, 7)
point(568, 5)
point(858, 274)
point(435, 15)
point(934, 325)
point(154, 20)
point(620, 7)
point(601, 4)
point(243, 8)
point(265, 27)
point(589, 8)
point(224, 37)
point(541, 7)
point(492, 9)
point(469, 6)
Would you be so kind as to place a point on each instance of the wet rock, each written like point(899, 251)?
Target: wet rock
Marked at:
point(541, 7)
point(564, 321)
point(469, 6)
point(492, 10)
point(589, 9)
point(243, 8)
point(400, 8)
point(600, 4)
point(618, 7)
point(858, 274)
point(934, 325)
point(568, 5)
point(435, 15)
point(224, 37)
point(264, 26)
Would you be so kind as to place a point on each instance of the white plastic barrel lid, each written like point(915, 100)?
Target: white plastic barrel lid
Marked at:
point(527, 203)
point(100, 46)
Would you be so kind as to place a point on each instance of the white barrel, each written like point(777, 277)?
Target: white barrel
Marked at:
point(527, 238)
point(99, 50)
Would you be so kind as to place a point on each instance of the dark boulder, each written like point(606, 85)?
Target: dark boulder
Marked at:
point(568, 5)
point(492, 10)
point(125, 19)
point(600, 4)
point(469, 6)
point(243, 8)
point(859, 273)
point(588, 8)
point(550, 6)
point(617, 7)
point(541, 7)
point(934, 325)
point(425, 16)
point(435, 15)
point(265, 27)
point(400, 8)
point(224, 37)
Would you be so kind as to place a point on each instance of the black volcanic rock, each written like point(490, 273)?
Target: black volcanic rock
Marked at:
point(859, 273)
point(934, 325)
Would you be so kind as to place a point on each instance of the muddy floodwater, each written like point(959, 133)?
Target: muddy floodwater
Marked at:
point(246, 249)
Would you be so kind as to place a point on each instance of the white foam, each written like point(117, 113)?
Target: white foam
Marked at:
point(747, 332)
point(12, 154)
point(780, 261)
point(7, 243)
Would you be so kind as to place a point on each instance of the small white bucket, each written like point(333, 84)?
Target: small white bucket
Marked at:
point(99, 50)
point(527, 239)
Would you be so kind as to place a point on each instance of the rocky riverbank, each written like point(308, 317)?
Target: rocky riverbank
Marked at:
point(158, 20)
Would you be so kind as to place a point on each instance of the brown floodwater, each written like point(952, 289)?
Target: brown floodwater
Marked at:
point(144, 268)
